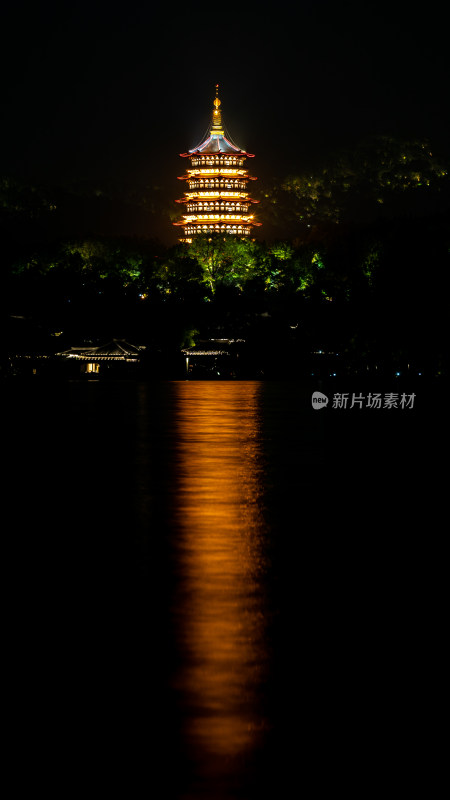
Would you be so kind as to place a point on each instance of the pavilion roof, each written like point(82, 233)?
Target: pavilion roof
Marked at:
point(212, 347)
point(117, 349)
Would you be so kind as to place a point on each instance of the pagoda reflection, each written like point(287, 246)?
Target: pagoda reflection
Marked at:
point(219, 606)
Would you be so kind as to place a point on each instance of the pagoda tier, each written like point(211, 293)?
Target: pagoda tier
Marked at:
point(217, 199)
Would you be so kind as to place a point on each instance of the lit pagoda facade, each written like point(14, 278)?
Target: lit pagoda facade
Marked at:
point(217, 198)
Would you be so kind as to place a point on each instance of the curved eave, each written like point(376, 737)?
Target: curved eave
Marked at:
point(96, 357)
point(216, 199)
point(212, 220)
point(201, 223)
point(217, 145)
point(242, 153)
point(191, 177)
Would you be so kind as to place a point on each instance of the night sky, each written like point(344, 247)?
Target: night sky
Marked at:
point(104, 97)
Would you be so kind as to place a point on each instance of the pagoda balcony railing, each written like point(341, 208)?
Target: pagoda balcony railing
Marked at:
point(229, 206)
point(217, 184)
point(216, 197)
point(217, 219)
point(212, 173)
point(239, 230)
point(222, 161)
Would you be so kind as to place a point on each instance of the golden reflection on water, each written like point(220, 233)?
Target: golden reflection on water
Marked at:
point(219, 607)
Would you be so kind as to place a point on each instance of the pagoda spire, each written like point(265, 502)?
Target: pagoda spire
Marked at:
point(216, 129)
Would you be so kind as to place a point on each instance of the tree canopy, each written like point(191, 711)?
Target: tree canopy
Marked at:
point(381, 176)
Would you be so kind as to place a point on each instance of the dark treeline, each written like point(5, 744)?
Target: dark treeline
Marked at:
point(356, 263)
point(377, 294)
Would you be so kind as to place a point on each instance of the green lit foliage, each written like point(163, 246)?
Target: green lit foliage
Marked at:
point(292, 269)
point(393, 165)
point(106, 260)
point(189, 337)
point(314, 196)
point(94, 263)
point(282, 251)
point(371, 262)
point(228, 261)
point(379, 172)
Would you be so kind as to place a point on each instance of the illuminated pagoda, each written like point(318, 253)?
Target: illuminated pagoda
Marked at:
point(217, 199)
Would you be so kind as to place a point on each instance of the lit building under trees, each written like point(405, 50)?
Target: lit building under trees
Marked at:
point(217, 199)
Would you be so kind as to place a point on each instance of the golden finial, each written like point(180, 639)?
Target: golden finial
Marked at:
point(217, 116)
point(216, 99)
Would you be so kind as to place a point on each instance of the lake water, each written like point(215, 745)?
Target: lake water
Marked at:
point(205, 581)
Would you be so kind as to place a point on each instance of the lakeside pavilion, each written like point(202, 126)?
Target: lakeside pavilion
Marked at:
point(91, 357)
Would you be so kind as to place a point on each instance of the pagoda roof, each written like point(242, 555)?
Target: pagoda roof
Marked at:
point(216, 143)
